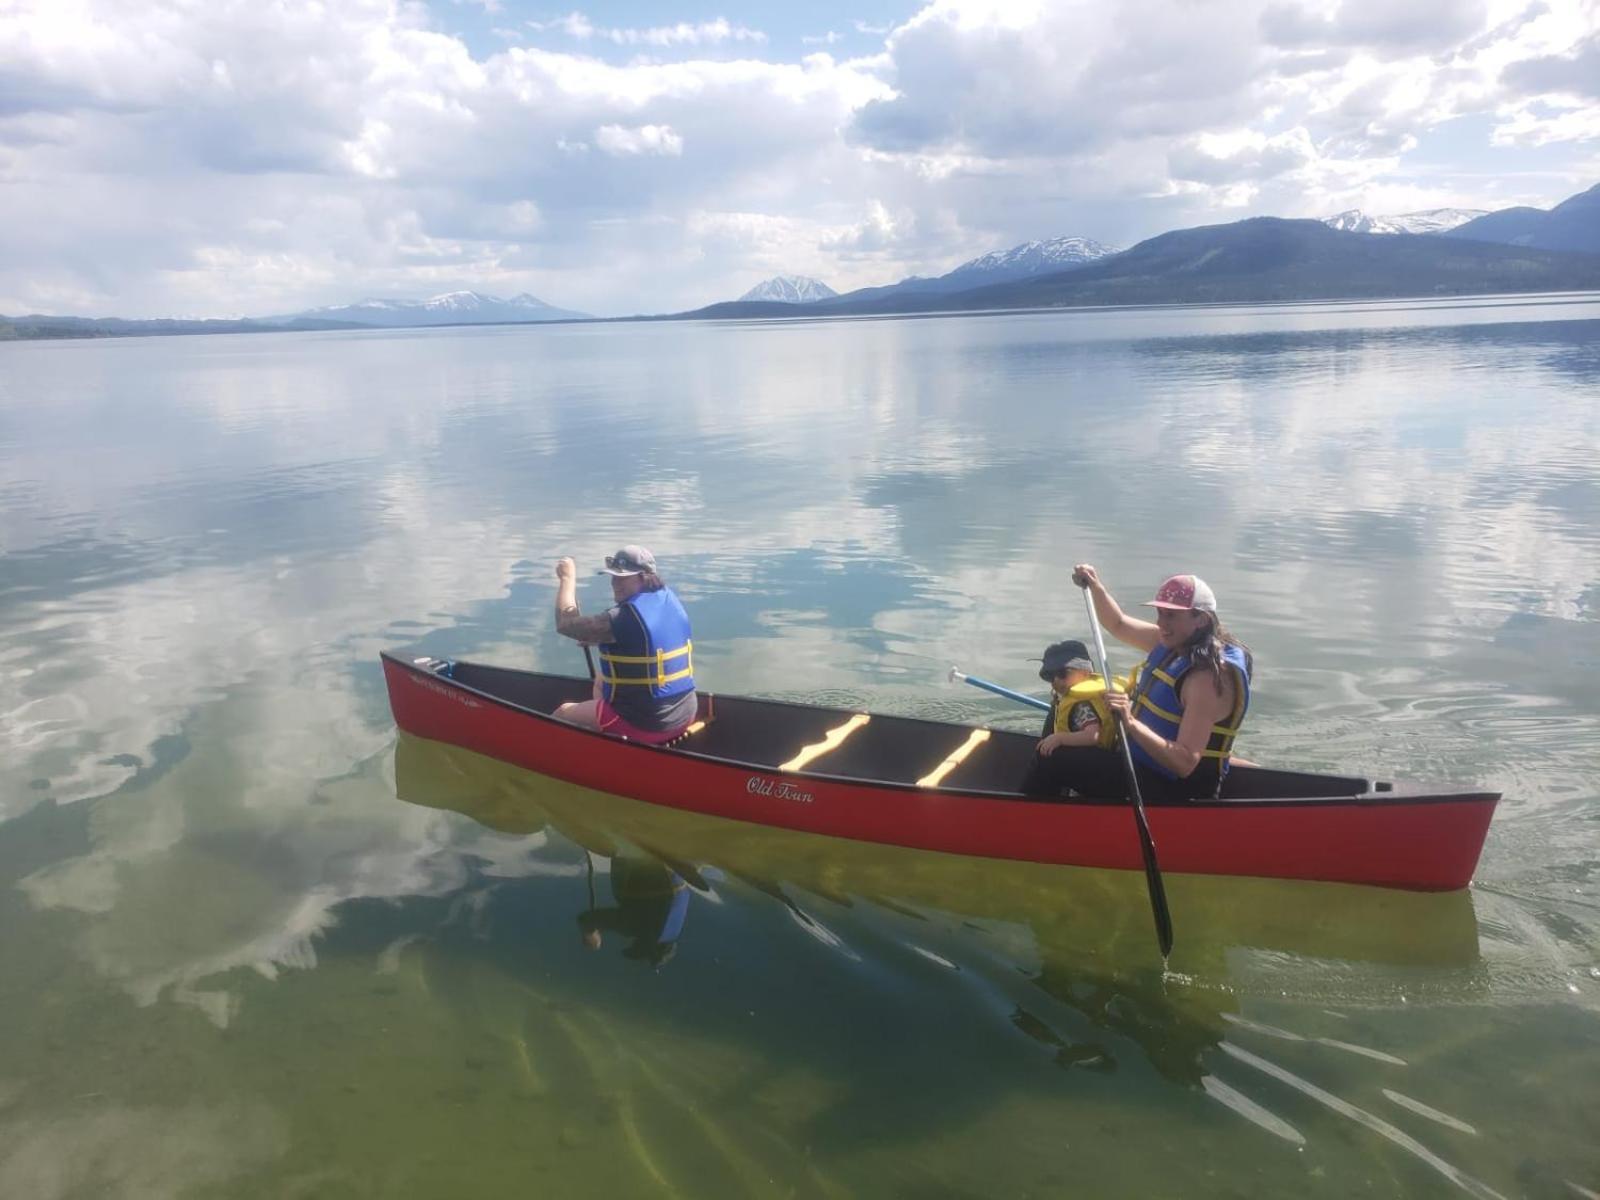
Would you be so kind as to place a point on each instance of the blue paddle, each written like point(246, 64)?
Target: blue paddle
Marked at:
point(998, 690)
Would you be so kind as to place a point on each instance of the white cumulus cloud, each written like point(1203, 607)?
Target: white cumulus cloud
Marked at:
point(705, 33)
point(160, 157)
point(644, 139)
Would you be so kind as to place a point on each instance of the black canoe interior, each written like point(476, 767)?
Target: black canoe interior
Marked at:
point(887, 749)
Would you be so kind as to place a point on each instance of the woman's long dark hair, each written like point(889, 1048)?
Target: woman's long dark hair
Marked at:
point(649, 581)
point(1205, 651)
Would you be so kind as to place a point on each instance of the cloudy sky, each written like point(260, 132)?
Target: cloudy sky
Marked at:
point(246, 157)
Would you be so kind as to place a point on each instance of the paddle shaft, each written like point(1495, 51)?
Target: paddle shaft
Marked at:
point(1147, 844)
point(999, 691)
point(588, 658)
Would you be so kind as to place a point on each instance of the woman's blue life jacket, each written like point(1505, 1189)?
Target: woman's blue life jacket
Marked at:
point(1156, 705)
point(653, 653)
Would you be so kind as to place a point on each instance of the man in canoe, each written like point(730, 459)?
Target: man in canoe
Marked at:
point(1183, 713)
point(644, 690)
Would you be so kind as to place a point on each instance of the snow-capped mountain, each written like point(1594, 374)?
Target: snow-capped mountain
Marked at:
point(790, 289)
point(1030, 258)
point(1003, 266)
point(452, 308)
point(1432, 220)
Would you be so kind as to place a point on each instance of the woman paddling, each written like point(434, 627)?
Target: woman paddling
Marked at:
point(1185, 711)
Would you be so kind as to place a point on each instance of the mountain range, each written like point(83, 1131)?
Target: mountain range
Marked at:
point(1574, 224)
point(38, 326)
point(1272, 259)
point(451, 308)
point(1350, 256)
point(1002, 266)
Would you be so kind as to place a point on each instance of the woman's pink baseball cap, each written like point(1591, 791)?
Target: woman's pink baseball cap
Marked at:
point(1184, 592)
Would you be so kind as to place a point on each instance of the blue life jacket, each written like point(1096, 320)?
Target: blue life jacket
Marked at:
point(652, 654)
point(1157, 707)
point(672, 927)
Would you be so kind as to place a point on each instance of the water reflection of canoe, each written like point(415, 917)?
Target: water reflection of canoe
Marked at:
point(933, 785)
point(1078, 917)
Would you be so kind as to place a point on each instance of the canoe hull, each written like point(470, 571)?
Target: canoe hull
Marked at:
point(1420, 842)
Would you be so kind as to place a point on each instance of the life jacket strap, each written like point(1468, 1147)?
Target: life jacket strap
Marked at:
point(659, 677)
point(1144, 702)
point(1225, 734)
point(647, 659)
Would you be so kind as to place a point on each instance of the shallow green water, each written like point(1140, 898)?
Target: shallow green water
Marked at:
point(255, 945)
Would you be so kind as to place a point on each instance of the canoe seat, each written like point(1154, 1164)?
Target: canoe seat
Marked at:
point(832, 740)
point(955, 758)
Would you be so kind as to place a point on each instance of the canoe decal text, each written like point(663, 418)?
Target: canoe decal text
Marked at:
point(458, 697)
point(778, 789)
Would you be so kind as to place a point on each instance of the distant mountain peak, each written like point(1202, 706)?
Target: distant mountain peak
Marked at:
point(790, 289)
point(1035, 258)
point(1431, 220)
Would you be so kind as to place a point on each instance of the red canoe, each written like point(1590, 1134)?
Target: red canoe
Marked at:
point(933, 785)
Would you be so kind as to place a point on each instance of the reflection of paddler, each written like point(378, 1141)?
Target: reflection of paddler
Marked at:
point(651, 904)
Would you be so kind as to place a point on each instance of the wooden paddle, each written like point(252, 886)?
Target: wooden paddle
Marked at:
point(1147, 845)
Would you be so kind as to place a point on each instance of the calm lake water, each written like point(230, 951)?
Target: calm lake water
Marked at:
point(255, 945)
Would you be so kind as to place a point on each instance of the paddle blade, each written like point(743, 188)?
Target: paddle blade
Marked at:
point(1155, 884)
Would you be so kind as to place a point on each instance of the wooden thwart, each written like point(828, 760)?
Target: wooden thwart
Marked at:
point(957, 756)
point(830, 741)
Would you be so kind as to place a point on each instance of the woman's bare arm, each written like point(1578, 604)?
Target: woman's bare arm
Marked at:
point(569, 621)
point(1141, 635)
point(1203, 707)
point(593, 630)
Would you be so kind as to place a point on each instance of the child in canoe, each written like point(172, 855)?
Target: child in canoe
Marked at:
point(1078, 716)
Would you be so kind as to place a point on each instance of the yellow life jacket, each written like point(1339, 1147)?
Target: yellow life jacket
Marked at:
point(1071, 716)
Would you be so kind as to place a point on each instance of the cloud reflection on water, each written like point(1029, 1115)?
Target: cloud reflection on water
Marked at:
point(193, 602)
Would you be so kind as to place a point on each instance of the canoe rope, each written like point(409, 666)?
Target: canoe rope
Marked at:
point(957, 756)
point(830, 741)
point(687, 733)
point(708, 714)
